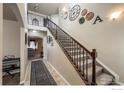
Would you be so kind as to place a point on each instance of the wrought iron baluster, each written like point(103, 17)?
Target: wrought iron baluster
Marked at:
point(86, 66)
point(79, 59)
point(77, 55)
point(83, 62)
point(74, 53)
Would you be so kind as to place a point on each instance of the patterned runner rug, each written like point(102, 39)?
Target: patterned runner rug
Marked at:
point(40, 75)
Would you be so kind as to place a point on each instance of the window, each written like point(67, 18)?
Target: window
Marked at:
point(35, 22)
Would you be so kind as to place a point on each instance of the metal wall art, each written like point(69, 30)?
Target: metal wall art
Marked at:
point(81, 20)
point(26, 38)
point(84, 12)
point(65, 15)
point(50, 40)
point(89, 16)
point(74, 12)
point(97, 19)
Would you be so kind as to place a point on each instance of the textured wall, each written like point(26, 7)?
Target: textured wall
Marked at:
point(11, 38)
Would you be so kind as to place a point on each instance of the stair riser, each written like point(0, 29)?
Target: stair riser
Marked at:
point(81, 59)
point(97, 74)
point(88, 65)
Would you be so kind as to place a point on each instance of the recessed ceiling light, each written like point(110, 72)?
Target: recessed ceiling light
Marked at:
point(115, 15)
point(64, 9)
point(34, 31)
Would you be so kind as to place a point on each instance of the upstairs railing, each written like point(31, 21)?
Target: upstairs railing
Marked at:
point(78, 55)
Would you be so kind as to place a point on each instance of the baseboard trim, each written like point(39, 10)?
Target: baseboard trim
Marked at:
point(58, 73)
point(26, 74)
point(22, 82)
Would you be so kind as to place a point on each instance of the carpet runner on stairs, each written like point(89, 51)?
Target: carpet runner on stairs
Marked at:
point(40, 75)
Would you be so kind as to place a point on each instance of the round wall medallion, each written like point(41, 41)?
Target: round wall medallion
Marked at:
point(74, 12)
point(89, 16)
point(65, 15)
point(81, 20)
point(84, 12)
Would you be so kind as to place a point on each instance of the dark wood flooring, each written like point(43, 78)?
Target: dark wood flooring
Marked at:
point(9, 80)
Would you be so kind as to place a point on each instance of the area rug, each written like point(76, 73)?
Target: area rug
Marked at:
point(40, 74)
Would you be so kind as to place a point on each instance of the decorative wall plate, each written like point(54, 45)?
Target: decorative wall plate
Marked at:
point(74, 12)
point(65, 15)
point(81, 20)
point(84, 12)
point(89, 16)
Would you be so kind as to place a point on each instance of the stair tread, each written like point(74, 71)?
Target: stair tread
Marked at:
point(104, 79)
point(98, 68)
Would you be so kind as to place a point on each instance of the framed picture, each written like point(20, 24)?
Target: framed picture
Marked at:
point(26, 38)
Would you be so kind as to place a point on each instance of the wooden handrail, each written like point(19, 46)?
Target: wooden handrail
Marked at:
point(71, 37)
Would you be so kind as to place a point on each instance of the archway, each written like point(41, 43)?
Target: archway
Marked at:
point(35, 47)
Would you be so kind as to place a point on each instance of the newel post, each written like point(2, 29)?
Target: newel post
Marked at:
point(94, 55)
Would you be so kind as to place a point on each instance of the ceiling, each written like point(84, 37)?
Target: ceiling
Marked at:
point(8, 13)
point(44, 8)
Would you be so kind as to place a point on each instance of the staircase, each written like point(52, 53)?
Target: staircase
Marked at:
point(83, 60)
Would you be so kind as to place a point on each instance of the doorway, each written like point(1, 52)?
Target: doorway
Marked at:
point(35, 48)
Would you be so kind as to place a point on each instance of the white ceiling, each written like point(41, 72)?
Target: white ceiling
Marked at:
point(8, 13)
point(44, 8)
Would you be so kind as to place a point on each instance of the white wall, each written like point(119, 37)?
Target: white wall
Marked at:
point(42, 35)
point(1, 40)
point(23, 54)
point(11, 38)
point(106, 37)
point(24, 61)
point(55, 18)
point(59, 61)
